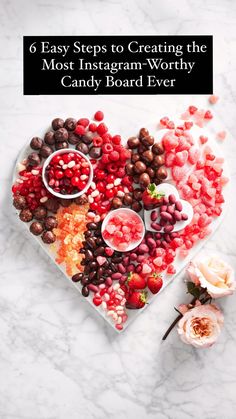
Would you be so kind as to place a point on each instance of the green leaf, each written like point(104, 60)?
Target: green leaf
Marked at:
point(193, 289)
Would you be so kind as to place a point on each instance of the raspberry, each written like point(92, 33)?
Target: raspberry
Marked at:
point(92, 127)
point(107, 148)
point(125, 154)
point(83, 121)
point(114, 155)
point(97, 141)
point(116, 139)
point(79, 130)
point(102, 129)
point(164, 120)
point(106, 138)
point(99, 115)
point(105, 158)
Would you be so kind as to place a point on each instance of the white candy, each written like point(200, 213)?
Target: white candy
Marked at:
point(34, 172)
point(90, 199)
point(64, 167)
point(104, 305)
point(71, 164)
point(95, 193)
point(120, 194)
point(61, 162)
point(116, 287)
point(93, 185)
point(44, 199)
point(110, 186)
point(117, 181)
point(83, 177)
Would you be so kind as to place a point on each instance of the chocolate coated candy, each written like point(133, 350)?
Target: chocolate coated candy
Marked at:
point(49, 138)
point(36, 143)
point(95, 152)
point(48, 237)
point(82, 147)
point(62, 145)
point(26, 215)
point(50, 223)
point(45, 151)
point(52, 204)
point(61, 135)
point(34, 159)
point(40, 213)
point(57, 123)
point(36, 228)
point(19, 202)
point(70, 124)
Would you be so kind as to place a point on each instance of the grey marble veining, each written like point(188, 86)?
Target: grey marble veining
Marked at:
point(57, 358)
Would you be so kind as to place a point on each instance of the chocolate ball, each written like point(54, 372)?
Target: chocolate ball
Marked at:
point(135, 157)
point(137, 194)
point(73, 138)
point(150, 172)
point(45, 151)
point(129, 168)
point(133, 142)
point(143, 133)
point(19, 202)
point(34, 159)
point(83, 148)
point(136, 178)
point(147, 156)
point(81, 200)
point(144, 179)
point(48, 237)
point(136, 206)
point(139, 167)
point(159, 160)
point(141, 149)
point(57, 123)
point(62, 145)
point(50, 223)
point(158, 148)
point(52, 205)
point(40, 213)
point(116, 202)
point(61, 135)
point(148, 140)
point(65, 202)
point(36, 143)
point(87, 138)
point(70, 124)
point(36, 228)
point(161, 173)
point(95, 152)
point(26, 215)
point(49, 138)
point(127, 199)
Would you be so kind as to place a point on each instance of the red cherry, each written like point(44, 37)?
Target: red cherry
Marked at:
point(102, 129)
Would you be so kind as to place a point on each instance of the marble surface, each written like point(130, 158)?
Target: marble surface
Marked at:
point(57, 358)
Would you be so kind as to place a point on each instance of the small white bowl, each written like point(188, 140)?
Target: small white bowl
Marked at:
point(133, 245)
point(63, 151)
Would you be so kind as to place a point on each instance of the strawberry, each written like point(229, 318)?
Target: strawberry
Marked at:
point(136, 300)
point(154, 283)
point(151, 197)
point(136, 281)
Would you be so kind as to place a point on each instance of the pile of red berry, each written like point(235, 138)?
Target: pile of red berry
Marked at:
point(68, 173)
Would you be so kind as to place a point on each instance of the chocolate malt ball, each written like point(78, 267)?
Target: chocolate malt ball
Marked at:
point(135, 157)
point(19, 202)
point(127, 200)
point(116, 202)
point(26, 215)
point(159, 160)
point(61, 135)
point(95, 152)
point(57, 123)
point(36, 143)
point(148, 140)
point(73, 138)
point(87, 138)
point(45, 151)
point(144, 179)
point(62, 145)
point(161, 173)
point(83, 148)
point(143, 133)
point(81, 200)
point(50, 223)
point(65, 202)
point(52, 205)
point(40, 213)
point(70, 124)
point(139, 167)
point(137, 194)
point(33, 159)
point(48, 237)
point(147, 156)
point(136, 206)
point(158, 148)
point(36, 228)
point(129, 168)
point(133, 142)
point(49, 138)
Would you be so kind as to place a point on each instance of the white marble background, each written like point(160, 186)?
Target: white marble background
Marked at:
point(58, 360)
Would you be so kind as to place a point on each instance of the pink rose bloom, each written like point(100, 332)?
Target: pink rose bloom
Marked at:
point(213, 274)
point(201, 326)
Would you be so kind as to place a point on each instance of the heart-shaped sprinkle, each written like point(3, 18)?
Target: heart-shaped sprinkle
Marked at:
point(101, 260)
point(109, 251)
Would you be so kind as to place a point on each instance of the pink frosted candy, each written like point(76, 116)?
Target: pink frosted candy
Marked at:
point(179, 173)
point(111, 228)
point(203, 139)
point(213, 99)
point(183, 144)
point(186, 191)
point(169, 159)
point(157, 261)
point(170, 141)
point(221, 135)
point(185, 115)
point(181, 158)
point(224, 180)
point(101, 260)
point(193, 155)
point(146, 269)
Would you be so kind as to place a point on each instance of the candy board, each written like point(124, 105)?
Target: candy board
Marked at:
point(179, 262)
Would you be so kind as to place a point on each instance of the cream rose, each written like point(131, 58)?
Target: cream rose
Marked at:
point(213, 274)
point(201, 326)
